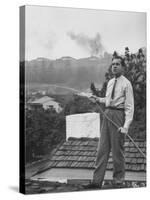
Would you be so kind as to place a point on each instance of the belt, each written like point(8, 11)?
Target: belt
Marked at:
point(114, 108)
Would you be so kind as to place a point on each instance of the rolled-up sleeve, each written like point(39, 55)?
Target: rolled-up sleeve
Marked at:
point(129, 105)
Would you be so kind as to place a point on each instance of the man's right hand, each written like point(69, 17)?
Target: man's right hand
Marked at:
point(94, 99)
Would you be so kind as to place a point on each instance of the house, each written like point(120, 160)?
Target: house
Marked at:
point(74, 159)
point(46, 103)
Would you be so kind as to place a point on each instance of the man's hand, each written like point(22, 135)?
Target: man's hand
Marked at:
point(94, 99)
point(122, 130)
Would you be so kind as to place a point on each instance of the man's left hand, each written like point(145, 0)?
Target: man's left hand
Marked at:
point(122, 130)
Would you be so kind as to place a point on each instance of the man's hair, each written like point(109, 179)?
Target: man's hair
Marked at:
point(121, 60)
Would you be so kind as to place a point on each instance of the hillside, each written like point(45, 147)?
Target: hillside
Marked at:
point(68, 71)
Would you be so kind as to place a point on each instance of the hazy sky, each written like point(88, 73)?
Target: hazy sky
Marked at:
point(53, 32)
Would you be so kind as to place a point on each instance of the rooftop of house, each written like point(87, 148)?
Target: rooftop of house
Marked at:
point(81, 153)
point(42, 100)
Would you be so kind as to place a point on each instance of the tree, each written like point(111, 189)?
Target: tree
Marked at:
point(79, 104)
point(45, 129)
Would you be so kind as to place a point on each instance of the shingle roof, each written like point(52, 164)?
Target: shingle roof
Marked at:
point(81, 153)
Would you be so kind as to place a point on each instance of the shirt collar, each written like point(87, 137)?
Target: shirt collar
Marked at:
point(118, 78)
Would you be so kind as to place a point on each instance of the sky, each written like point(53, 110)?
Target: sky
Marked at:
point(54, 32)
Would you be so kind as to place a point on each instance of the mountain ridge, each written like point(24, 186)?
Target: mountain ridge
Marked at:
point(72, 72)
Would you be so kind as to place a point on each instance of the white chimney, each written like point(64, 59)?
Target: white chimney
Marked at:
point(83, 125)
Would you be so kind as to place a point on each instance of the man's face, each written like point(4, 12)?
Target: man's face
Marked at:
point(116, 67)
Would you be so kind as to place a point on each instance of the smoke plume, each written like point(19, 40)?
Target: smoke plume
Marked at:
point(92, 45)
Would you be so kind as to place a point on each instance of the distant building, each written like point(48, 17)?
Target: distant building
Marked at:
point(46, 103)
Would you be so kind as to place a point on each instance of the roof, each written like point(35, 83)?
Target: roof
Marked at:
point(81, 153)
point(42, 100)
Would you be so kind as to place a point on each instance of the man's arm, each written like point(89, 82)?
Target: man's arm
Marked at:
point(129, 106)
point(101, 100)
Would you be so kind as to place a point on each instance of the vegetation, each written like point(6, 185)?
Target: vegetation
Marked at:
point(45, 129)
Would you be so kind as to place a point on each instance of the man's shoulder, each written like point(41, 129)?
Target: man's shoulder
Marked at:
point(126, 82)
point(125, 79)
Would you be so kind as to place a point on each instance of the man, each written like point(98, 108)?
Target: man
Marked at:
point(119, 104)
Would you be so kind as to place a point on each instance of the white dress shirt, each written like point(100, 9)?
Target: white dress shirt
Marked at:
point(123, 98)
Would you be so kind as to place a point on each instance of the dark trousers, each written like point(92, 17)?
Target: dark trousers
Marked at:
point(110, 139)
